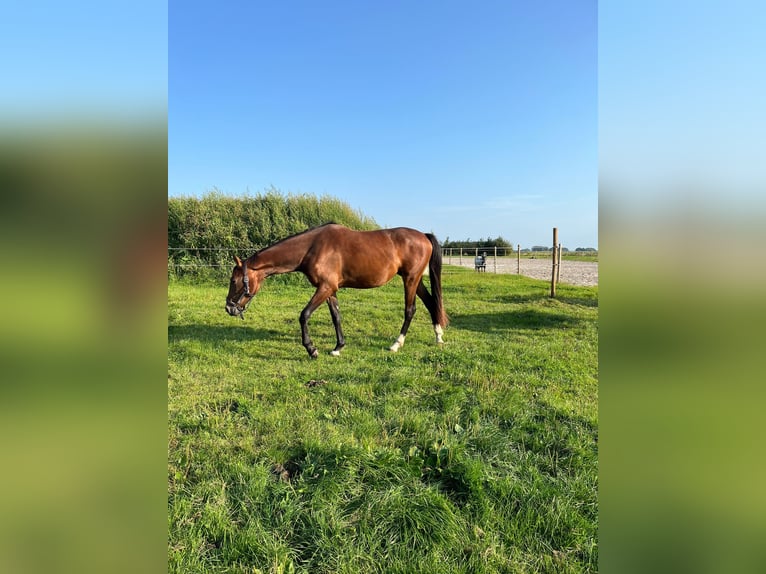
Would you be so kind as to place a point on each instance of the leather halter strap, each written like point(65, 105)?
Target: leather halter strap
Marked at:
point(246, 291)
point(245, 278)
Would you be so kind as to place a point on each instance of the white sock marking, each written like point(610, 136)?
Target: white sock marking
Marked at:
point(398, 344)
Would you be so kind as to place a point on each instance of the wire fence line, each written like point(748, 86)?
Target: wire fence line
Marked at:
point(446, 251)
point(184, 257)
point(495, 259)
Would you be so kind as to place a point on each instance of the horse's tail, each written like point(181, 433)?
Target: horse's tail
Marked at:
point(435, 276)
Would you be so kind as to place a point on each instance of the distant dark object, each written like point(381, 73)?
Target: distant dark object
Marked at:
point(331, 257)
point(315, 383)
point(480, 263)
point(286, 472)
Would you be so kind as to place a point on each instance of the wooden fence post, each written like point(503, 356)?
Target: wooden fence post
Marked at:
point(558, 267)
point(518, 259)
point(553, 270)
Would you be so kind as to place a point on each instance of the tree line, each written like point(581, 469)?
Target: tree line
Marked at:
point(498, 241)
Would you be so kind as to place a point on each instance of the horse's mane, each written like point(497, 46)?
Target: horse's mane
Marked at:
point(304, 232)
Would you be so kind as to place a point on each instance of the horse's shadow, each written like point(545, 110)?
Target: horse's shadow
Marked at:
point(513, 320)
point(223, 333)
point(515, 299)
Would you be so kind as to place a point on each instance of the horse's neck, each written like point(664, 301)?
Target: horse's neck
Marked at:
point(283, 257)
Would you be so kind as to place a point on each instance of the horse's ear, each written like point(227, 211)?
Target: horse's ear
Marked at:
point(239, 263)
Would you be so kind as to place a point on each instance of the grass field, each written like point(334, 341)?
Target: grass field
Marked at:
point(480, 456)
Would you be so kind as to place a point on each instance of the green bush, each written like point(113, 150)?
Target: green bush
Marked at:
point(205, 233)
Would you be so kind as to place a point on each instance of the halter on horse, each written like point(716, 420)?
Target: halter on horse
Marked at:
point(238, 310)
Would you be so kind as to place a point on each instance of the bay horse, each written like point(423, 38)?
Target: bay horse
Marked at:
point(332, 256)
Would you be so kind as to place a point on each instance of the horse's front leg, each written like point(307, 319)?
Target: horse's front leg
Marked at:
point(332, 303)
point(319, 297)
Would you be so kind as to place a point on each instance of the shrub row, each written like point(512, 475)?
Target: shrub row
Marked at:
point(205, 233)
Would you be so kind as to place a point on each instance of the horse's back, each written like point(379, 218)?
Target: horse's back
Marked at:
point(370, 242)
point(366, 259)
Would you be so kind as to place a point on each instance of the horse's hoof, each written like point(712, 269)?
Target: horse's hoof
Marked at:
point(335, 353)
point(398, 344)
point(313, 353)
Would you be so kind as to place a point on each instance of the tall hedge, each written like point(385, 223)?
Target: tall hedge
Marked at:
point(204, 233)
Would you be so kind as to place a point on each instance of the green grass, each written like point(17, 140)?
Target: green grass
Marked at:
point(593, 258)
point(480, 456)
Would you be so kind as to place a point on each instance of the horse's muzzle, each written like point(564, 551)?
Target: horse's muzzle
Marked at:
point(234, 310)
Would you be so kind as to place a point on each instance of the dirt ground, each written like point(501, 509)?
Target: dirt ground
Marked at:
point(583, 273)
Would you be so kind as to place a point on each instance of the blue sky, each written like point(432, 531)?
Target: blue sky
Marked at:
point(479, 119)
point(85, 58)
point(466, 119)
point(681, 106)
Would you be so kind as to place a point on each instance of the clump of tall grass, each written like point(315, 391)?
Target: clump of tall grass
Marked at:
point(204, 233)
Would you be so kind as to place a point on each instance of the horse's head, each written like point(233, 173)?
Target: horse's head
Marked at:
point(243, 286)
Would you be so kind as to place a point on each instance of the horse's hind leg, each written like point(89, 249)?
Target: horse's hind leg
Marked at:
point(332, 303)
point(430, 304)
point(409, 313)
